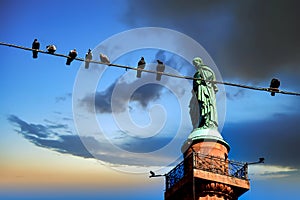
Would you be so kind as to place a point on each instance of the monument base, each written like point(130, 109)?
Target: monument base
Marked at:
point(206, 141)
point(206, 173)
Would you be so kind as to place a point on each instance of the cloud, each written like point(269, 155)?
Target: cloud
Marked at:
point(272, 139)
point(102, 100)
point(276, 138)
point(63, 98)
point(270, 171)
point(250, 40)
point(143, 96)
point(46, 137)
point(234, 94)
point(54, 125)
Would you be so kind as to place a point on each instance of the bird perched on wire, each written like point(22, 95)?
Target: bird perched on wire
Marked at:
point(72, 55)
point(35, 45)
point(51, 48)
point(104, 58)
point(141, 65)
point(88, 58)
point(160, 68)
point(274, 85)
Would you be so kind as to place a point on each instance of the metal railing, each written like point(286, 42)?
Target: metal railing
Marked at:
point(206, 163)
point(178, 172)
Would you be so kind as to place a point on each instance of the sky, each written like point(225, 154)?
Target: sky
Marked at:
point(73, 133)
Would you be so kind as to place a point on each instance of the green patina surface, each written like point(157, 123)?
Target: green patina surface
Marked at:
point(203, 109)
point(205, 92)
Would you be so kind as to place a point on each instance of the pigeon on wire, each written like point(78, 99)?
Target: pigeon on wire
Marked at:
point(141, 65)
point(35, 45)
point(51, 48)
point(88, 58)
point(160, 68)
point(104, 58)
point(72, 55)
point(274, 85)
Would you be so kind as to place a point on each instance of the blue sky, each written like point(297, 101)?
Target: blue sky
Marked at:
point(42, 145)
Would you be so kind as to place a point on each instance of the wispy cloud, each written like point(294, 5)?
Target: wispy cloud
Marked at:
point(54, 138)
point(63, 97)
point(46, 136)
point(270, 171)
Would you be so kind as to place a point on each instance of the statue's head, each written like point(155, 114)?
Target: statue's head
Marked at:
point(197, 62)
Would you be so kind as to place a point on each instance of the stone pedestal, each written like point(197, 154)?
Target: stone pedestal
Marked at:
point(207, 170)
point(210, 148)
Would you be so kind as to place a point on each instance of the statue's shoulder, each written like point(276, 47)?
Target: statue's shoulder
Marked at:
point(207, 70)
point(205, 67)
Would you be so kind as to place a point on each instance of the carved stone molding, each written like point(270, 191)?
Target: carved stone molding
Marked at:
point(217, 189)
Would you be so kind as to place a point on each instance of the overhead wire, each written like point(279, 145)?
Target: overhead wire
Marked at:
point(155, 72)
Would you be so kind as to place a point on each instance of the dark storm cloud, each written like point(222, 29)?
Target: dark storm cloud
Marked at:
point(143, 95)
point(277, 139)
point(250, 39)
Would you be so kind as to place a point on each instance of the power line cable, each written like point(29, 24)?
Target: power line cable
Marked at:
point(155, 72)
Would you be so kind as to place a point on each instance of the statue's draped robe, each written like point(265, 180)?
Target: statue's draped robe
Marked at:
point(205, 94)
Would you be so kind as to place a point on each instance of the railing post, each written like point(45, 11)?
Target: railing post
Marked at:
point(246, 170)
point(166, 182)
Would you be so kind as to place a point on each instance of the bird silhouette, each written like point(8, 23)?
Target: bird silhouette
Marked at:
point(51, 48)
point(160, 68)
point(35, 45)
point(152, 174)
point(141, 65)
point(274, 85)
point(72, 56)
point(261, 160)
point(104, 58)
point(88, 58)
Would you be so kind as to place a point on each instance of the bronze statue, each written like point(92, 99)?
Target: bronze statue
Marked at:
point(207, 117)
